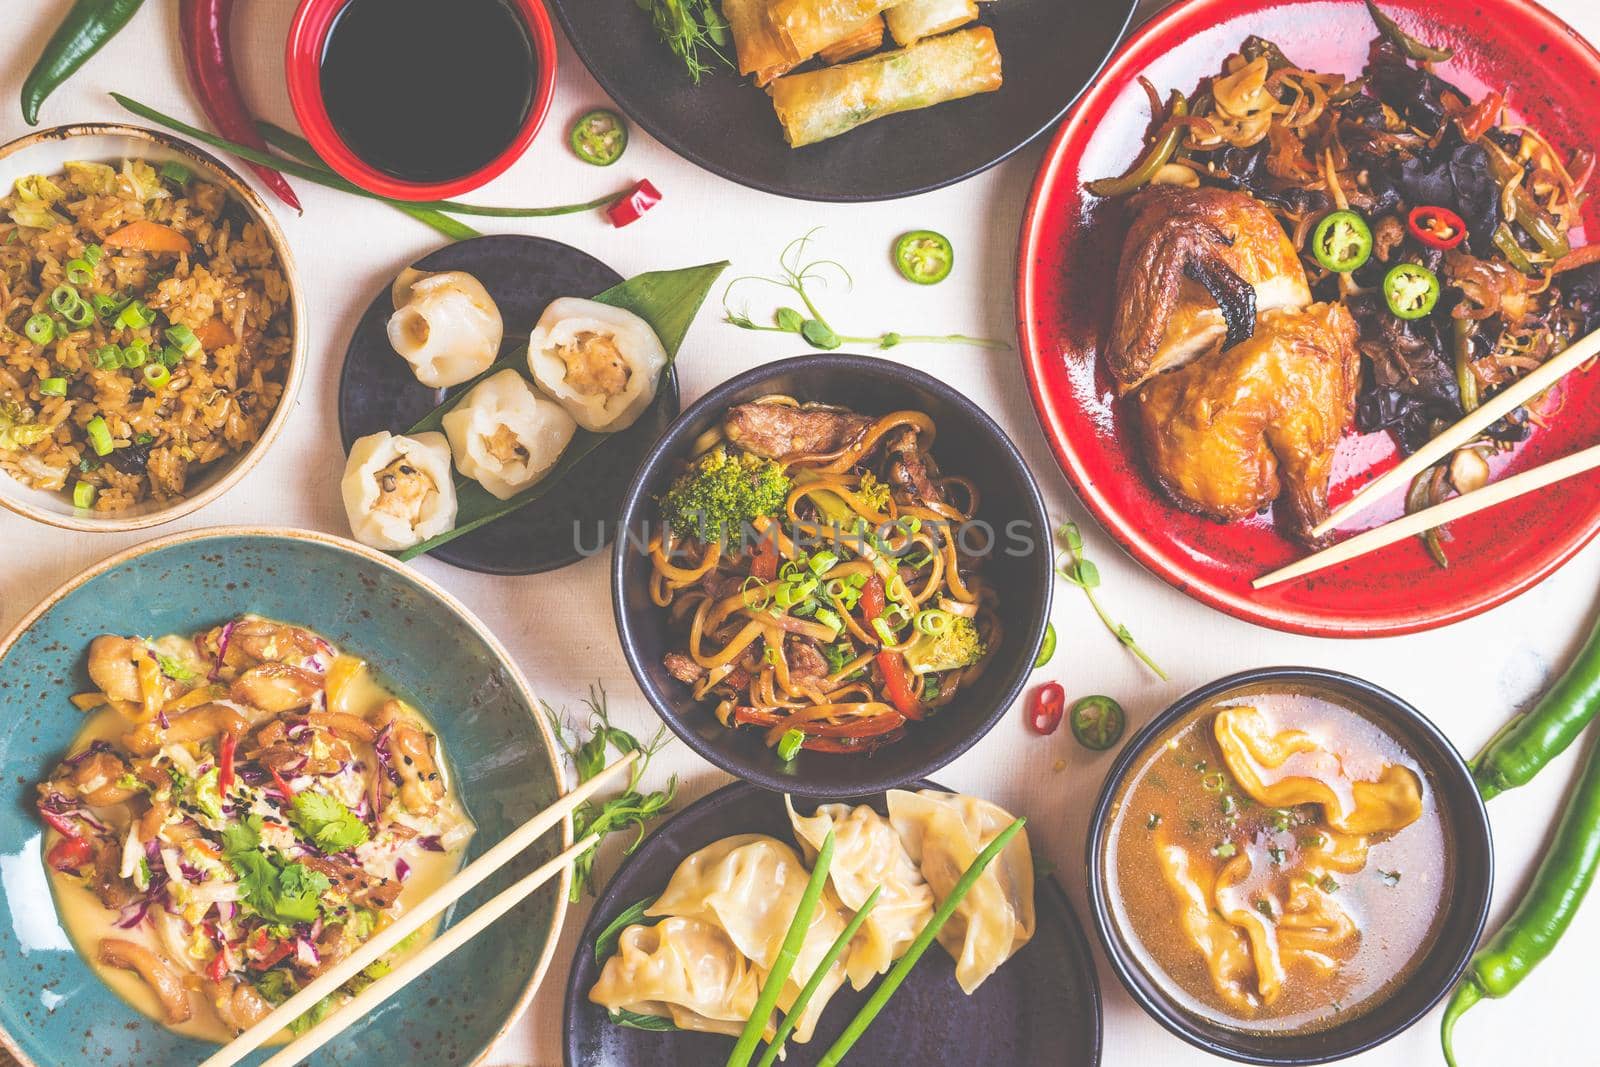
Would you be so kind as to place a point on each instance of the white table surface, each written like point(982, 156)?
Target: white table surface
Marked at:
point(1468, 677)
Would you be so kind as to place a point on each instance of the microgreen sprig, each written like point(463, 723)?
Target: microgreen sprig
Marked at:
point(794, 274)
point(630, 808)
point(1072, 565)
point(688, 26)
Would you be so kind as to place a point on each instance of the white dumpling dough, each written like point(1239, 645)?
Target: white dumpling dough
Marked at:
point(505, 436)
point(600, 362)
point(399, 491)
point(445, 325)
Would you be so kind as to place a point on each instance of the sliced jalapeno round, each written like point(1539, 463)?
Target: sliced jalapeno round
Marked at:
point(924, 257)
point(1411, 290)
point(1342, 241)
point(1098, 722)
point(599, 137)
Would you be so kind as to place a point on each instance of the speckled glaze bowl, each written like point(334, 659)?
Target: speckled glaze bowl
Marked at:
point(53, 1008)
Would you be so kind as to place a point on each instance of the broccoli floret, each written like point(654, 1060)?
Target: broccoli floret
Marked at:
point(723, 491)
point(873, 492)
point(957, 647)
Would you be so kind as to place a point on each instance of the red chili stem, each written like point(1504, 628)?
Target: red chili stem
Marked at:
point(203, 27)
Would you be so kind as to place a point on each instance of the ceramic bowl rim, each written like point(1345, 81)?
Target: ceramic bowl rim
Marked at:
point(668, 445)
point(1454, 778)
point(427, 585)
point(243, 461)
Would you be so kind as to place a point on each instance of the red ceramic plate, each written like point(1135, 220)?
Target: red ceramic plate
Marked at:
point(1070, 244)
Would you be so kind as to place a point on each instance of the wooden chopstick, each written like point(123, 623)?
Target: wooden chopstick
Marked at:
point(414, 965)
point(363, 956)
point(1496, 407)
point(1457, 507)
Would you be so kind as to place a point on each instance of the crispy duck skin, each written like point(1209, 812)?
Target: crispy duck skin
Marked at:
point(1197, 266)
point(781, 431)
point(1235, 430)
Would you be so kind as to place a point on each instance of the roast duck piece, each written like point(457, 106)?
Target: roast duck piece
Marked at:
point(1242, 387)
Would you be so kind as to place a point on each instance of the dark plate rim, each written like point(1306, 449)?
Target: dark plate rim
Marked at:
point(1458, 781)
point(610, 87)
point(604, 905)
point(638, 497)
point(668, 389)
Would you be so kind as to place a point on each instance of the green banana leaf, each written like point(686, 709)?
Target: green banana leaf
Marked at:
point(667, 299)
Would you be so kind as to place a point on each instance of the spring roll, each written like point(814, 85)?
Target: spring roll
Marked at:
point(913, 20)
point(825, 103)
point(755, 41)
point(805, 27)
point(868, 37)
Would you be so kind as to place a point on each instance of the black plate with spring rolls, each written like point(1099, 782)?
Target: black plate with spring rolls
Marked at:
point(1047, 52)
point(1041, 1006)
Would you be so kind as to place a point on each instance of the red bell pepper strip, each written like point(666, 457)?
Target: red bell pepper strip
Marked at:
point(1046, 708)
point(70, 853)
point(218, 968)
point(897, 681)
point(203, 27)
point(764, 564)
point(283, 786)
point(60, 823)
point(634, 203)
point(225, 762)
point(1436, 227)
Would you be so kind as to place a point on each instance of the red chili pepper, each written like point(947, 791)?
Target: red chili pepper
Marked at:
point(1436, 227)
point(873, 600)
point(897, 681)
point(270, 956)
point(203, 27)
point(218, 967)
point(1477, 119)
point(627, 208)
point(60, 823)
point(225, 762)
point(1048, 705)
point(70, 853)
point(283, 786)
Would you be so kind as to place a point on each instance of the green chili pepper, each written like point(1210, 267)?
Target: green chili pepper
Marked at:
point(599, 137)
point(1531, 740)
point(1461, 331)
point(1408, 44)
point(88, 26)
point(1047, 647)
point(1411, 290)
point(924, 256)
point(1545, 910)
point(1525, 210)
point(1158, 155)
point(1505, 242)
point(1097, 722)
point(1342, 241)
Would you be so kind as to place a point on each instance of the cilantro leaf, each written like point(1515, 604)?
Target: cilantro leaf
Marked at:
point(326, 823)
point(286, 893)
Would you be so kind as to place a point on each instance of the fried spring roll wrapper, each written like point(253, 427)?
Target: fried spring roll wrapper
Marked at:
point(759, 51)
point(913, 20)
point(868, 37)
point(825, 103)
point(805, 27)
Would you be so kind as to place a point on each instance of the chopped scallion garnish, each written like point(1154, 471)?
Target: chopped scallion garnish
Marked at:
point(156, 375)
point(99, 436)
point(108, 357)
point(52, 387)
point(39, 328)
point(184, 338)
point(83, 495)
point(789, 744)
point(79, 271)
point(175, 172)
point(92, 253)
point(136, 354)
point(136, 316)
point(63, 297)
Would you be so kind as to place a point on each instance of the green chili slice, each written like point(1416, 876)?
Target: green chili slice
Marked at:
point(1156, 156)
point(1411, 290)
point(1097, 722)
point(599, 137)
point(924, 256)
point(1342, 241)
point(1047, 647)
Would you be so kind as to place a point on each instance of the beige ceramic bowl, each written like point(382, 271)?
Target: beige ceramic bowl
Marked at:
point(47, 152)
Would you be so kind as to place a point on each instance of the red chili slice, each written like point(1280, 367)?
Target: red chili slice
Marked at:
point(628, 208)
point(1045, 709)
point(225, 762)
point(70, 854)
point(1436, 227)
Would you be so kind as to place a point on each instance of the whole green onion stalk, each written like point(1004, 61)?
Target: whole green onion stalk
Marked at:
point(818, 976)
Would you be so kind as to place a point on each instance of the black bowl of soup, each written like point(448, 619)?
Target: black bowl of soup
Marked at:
point(1289, 866)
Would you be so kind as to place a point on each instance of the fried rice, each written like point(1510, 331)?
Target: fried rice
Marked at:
point(128, 407)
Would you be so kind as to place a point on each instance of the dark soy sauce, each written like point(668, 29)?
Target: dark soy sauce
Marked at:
point(428, 90)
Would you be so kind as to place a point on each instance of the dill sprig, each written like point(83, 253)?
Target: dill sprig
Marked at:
point(630, 808)
point(795, 273)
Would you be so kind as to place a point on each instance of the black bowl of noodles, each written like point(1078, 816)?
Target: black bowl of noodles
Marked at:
point(759, 647)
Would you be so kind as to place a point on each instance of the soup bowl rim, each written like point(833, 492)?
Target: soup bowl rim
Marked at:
point(1455, 789)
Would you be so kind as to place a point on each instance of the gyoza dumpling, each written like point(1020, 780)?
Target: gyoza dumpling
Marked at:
point(681, 968)
point(446, 326)
point(943, 833)
point(599, 362)
point(505, 436)
point(750, 886)
point(867, 854)
point(398, 491)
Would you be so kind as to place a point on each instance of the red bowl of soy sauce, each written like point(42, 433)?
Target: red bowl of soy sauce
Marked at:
point(421, 99)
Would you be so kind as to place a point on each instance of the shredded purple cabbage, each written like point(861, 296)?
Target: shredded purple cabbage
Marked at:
point(401, 869)
point(94, 747)
point(222, 650)
point(431, 843)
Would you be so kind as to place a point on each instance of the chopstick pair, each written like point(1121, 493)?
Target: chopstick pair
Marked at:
point(464, 881)
point(1462, 432)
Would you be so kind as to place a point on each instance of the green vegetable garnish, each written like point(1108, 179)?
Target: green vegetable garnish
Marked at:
point(1077, 569)
point(278, 892)
point(693, 30)
point(606, 943)
point(1047, 647)
point(924, 256)
point(789, 744)
point(599, 137)
point(792, 1017)
point(722, 493)
point(956, 646)
point(1342, 241)
point(327, 823)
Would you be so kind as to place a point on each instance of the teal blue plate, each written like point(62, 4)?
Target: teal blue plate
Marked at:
point(53, 1009)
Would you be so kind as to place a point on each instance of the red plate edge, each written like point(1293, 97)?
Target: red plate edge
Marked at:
point(1196, 15)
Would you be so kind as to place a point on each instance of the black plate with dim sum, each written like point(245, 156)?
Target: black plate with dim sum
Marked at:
point(377, 391)
point(1050, 50)
point(1041, 1007)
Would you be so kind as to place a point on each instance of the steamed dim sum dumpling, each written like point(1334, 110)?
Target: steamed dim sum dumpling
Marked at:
point(943, 833)
point(399, 491)
point(867, 854)
point(750, 886)
point(599, 362)
point(445, 325)
point(505, 436)
point(683, 969)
